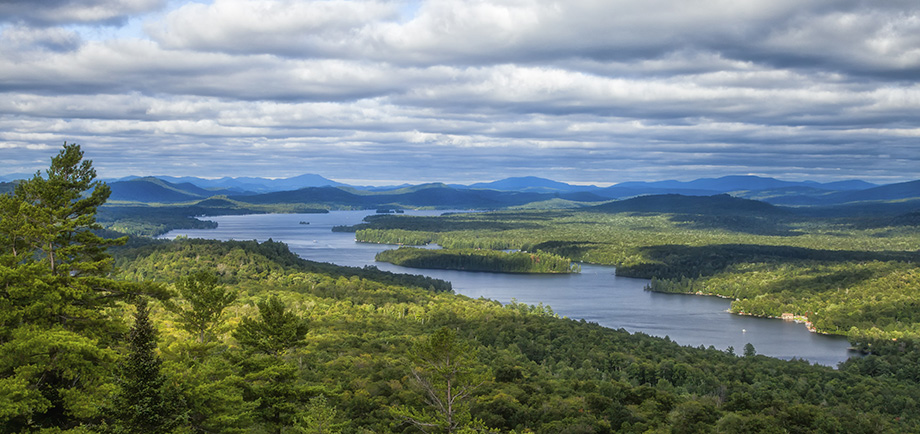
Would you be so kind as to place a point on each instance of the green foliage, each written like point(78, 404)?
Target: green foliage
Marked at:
point(276, 331)
point(550, 374)
point(274, 385)
point(213, 389)
point(749, 350)
point(51, 261)
point(444, 371)
point(318, 418)
point(50, 219)
point(51, 378)
point(145, 402)
point(236, 261)
point(206, 301)
point(479, 260)
point(56, 299)
point(838, 273)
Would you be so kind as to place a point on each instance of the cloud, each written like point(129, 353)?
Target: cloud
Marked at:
point(281, 27)
point(878, 38)
point(23, 39)
point(443, 90)
point(57, 12)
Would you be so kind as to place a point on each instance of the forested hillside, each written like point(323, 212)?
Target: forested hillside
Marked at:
point(193, 336)
point(530, 369)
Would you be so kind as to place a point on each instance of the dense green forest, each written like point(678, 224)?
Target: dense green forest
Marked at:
point(193, 336)
point(479, 260)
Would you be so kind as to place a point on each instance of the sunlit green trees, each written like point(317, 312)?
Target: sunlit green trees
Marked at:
point(276, 330)
point(479, 260)
point(205, 301)
point(55, 332)
point(318, 418)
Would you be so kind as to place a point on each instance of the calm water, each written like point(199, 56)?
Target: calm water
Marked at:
point(595, 294)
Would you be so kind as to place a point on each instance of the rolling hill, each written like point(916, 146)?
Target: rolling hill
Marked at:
point(508, 192)
point(531, 184)
point(427, 195)
point(722, 204)
point(154, 190)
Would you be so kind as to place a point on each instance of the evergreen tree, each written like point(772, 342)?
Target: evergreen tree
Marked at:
point(444, 371)
point(272, 381)
point(58, 264)
point(56, 217)
point(275, 331)
point(318, 418)
point(54, 331)
point(749, 350)
point(206, 303)
point(145, 404)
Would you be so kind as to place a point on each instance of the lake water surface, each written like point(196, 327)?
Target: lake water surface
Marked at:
point(596, 294)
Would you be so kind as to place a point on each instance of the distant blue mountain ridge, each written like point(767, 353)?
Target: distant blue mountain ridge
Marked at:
point(733, 183)
point(168, 189)
point(530, 184)
point(249, 184)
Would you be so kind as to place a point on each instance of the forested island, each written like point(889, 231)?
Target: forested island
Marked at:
point(479, 260)
point(130, 335)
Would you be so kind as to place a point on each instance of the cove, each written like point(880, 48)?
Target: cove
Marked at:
point(596, 294)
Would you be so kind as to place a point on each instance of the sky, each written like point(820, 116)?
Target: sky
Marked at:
point(387, 92)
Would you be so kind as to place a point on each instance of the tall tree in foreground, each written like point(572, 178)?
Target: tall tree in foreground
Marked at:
point(54, 330)
point(145, 404)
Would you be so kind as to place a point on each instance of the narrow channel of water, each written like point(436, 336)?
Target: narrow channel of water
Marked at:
point(596, 294)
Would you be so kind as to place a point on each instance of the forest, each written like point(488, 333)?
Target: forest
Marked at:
point(479, 260)
point(120, 335)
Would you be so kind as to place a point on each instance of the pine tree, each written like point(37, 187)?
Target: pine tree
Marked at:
point(271, 379)
point(749, 350)
point(55, 334)
point(145, 404)
point(444, 373)
point(56, 217)
point(275, 331)
point(206, 303)
point(318, 418)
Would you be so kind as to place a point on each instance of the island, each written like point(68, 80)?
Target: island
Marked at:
point(479, 260)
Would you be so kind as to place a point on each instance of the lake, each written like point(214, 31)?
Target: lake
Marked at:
point(596, 294)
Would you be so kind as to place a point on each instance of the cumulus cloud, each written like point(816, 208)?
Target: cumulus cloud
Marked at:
point(57, 12)
point(18, 39)
point(876, 37)
point(283, 27)
point(583, 91)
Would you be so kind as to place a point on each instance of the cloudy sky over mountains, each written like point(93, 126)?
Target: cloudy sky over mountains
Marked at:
point(463, 90)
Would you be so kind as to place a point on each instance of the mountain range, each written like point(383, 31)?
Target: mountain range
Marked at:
point(246, 185)
point(515, 191)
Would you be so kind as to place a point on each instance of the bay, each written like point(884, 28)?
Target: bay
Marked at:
point(596, 294)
